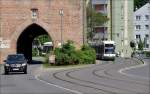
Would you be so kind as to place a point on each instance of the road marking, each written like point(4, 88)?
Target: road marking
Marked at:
point(70, 90)
point(132, 67)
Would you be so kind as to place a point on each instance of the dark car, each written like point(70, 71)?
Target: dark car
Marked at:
point(15, 63)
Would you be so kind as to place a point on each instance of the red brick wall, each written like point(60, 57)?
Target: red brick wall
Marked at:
point(16, 16)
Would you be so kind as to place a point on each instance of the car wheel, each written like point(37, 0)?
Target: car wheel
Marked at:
point(6, 72)
point(25, 71)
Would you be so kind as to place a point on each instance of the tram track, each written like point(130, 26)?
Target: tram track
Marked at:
point(98, 73)
point(109, 76)
point(67, 74)
point(79, 84)
point(98, 84)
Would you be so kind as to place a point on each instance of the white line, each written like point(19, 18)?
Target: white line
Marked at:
point(73, 91)
point(132, 67)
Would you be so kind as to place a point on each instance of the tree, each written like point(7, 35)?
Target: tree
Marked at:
point(140, 45)
point(38, 42)
point(139, 3)
point(94, 18)
point(133, 46)
point(43, 38)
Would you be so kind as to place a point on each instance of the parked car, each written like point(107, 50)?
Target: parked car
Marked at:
point(15, 63)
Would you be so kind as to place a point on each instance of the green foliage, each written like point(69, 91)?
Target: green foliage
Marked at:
point(140, 45)
point(86, 55)
point(68, 48)
point(34, 52)
point(94, 18)
point(147, 53)
point(68, 55)
point(132, 44)
point(65, 55)
point(40, 40)
point(43, 38)
point(139, 3)
point(46, 61)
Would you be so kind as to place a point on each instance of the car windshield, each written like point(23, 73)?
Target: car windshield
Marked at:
point(15, 58)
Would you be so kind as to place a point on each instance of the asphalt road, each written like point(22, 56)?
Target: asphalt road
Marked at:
point(102, 78)
point(18, 83)
point(140, 71)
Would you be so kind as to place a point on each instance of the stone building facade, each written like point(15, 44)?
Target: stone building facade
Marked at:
point(30, 18)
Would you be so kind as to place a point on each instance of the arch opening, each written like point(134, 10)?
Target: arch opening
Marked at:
point(26, 38)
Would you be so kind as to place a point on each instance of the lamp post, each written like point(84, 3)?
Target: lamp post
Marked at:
point(61, 13)
point(149, 24)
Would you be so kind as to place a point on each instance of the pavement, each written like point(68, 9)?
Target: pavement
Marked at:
point(101, 78)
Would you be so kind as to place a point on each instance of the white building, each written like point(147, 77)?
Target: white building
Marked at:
point(119, 27)
point(142, 25)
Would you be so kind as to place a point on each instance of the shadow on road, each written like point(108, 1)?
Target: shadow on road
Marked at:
point(33, 62)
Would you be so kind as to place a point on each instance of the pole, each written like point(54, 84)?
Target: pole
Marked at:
point(111, 19)
point(61, 26)
point(0, 37)
point(149, 22)
point(84, 23)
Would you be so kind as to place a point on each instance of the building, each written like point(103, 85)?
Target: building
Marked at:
point(100, 31)
point(120, 25)
point(142, 25)
point(23, 20)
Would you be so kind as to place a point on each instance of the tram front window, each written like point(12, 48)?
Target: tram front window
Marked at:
point(109, 45)
point(109, 51)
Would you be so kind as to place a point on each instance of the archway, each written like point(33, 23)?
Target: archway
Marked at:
point(25, 40)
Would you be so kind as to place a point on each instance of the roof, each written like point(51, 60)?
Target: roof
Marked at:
point(108, 42)
point(48, 44)
point(144, 9)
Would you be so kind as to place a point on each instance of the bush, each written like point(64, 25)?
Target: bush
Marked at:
point(68, 55)
point(147, 54)
point(46, 61)
point(87, 55)
point(34, 52)
point(65, 55)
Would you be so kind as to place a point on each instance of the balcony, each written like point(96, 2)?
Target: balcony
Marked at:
point(100, 8)
point(99, 1)
point(100, 33)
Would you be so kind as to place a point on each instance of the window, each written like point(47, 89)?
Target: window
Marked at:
point(147, 36)
point(138, 27)
point(147, 46)
point(138, 17)
point(146, 26)
point(122, 11)
point(138, 36)
point(100, 29)
point(99, 7)
point(147, 17)
point(34, 13)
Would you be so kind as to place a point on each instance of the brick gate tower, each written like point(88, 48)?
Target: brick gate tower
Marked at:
point(30, 18)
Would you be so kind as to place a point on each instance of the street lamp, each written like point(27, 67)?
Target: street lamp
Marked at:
point(61, 13)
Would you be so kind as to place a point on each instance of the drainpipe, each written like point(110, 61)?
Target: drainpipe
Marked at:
point(149, 22)
point(0, 35)
point(111, 19)
point(84, 21)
